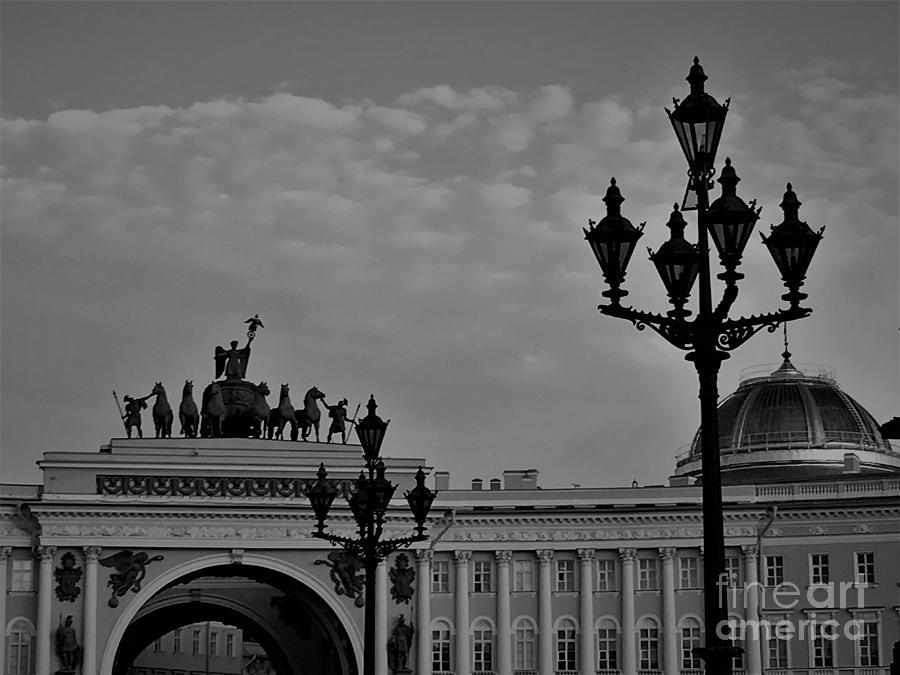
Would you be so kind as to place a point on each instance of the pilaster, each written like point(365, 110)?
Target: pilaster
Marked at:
point(89, 631)
point(45, 602)
point(423, 611)
point(545, 613)
point(586, 618)
point(752, 589)
point(669, 618)
point(462, 612)
point(629, 644)
point(504, 635)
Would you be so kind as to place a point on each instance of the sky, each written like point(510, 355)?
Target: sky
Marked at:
point(399, 190)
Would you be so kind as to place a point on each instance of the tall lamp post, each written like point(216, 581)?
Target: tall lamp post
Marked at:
point(369, 498)
point(710, 335)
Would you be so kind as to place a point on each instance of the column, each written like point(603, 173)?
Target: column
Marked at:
point(423, 611)
point(89, 631)
point(669, 617)
point(586, 596)
point(545, 613)
point(629, 645)
point(45, 600)
point(752, 588)
point(504, 628)
point(381, 616)
point(463, 660)
point(5, 553)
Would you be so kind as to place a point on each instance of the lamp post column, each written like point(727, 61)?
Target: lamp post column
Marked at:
point(370, 564)
point(545, 613)
point(462, 612)
point(629, 646)
point(423, 611)
point(381, 605)
point(504, 641)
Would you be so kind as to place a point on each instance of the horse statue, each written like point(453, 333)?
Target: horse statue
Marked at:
point(282, 415)
point(259, 411)
point(162, 412)
point(310, 415)
point(187, 411)
point(212, 412)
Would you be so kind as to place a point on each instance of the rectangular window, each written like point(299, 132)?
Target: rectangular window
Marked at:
point(868, 644)
point(818, 568)
point(213, 643)
point(689, 570)
point(607, 654)
point(481, 576)
point(606, 575)
point(440, 576)
point(482, 643)
point(176, 640)
point(774, 565)
point(523, 575)
point(733, 568)
point(865, 567)
point(690, 640)
point(565, 648)
point(229, 644)
point(823, 648)
point(649, 648)
point(565, 575)
point(157, 645)
point(195, 643)
point(778, 653)
point(524, 641)
point(22, 575)
point(440, 650)
point(647, 574)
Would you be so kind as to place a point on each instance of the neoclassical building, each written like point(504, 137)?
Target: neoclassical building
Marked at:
point(143, 538)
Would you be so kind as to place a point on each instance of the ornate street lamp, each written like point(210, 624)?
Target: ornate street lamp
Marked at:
point(708, 337)
point(369, 498)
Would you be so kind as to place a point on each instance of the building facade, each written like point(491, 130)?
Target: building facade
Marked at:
point(159, 535)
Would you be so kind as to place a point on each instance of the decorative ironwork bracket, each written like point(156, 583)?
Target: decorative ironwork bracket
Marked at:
point(676, 332)
point(381, 549)
point(733, 333)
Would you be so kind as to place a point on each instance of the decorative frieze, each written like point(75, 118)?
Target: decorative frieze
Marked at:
point(205, 486)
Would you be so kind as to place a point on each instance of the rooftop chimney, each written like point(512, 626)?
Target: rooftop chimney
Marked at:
point(441, 480)
point(851, 463)
point(495, 484)
point(476, 483)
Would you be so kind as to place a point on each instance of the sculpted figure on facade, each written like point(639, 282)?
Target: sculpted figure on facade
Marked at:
point(67, 647)
point(346, 574)
point(232, 362)
point(130, 572)
point(399, 645)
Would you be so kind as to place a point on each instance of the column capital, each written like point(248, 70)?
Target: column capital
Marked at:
point(627, 554)
point(668, 553)
point(5, 552)
point(46, 553)
point(749, 551)
point(424, 556)
point(586, 554)
point(92, 553)
point(503, 557)
point(544, 556)
point(462, 557)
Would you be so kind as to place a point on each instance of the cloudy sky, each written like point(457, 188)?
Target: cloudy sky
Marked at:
point(399, 190)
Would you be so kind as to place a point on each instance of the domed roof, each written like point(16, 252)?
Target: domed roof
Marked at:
point(793, 424)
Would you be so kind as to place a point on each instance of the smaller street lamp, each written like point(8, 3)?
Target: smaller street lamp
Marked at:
point(730, 222)
point(369, 498)
point(677, 263)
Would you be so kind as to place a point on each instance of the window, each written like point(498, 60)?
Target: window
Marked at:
point(440, 576)
point(22, 575)
point(774, 565)
point(690, 640)
point(176, 640)
point(440, 646)
point(213, 643)
point(778, 653)
point(689, 567)
point(565, 575)
point(868, 644)
point(565, 645)
point(195, 643)
point(157, 644)
point(823, 648)
point(607, 646)
point(481, 576)
point(229, 644)
point(606, 575)
point(482, 647)
point(20, 647)
point(647, 574)
point(523, 575)
point(818, 568)
point(523, 640)
point(648, 645)
point(865, 568)
point(733, 568)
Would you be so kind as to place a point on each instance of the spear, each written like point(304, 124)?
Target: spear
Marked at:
point(352, 422)
point(119, 406)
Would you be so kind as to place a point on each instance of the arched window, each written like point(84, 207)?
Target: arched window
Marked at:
point(648, 634)
point(482, 647)
point(691, 639)
point(20, 647)
point(524, 641)
point(607, 645)
point(566, 658)
point(440, 647)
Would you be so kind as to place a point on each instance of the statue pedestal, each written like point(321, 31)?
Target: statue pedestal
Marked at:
point(238, 396)
point(402, 671)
